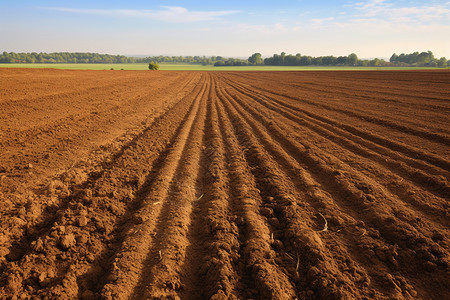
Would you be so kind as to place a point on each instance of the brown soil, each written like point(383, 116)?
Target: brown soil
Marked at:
point(224, 185)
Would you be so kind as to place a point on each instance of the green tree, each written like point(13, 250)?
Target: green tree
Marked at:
point(255, 59)
point(352, 59)
point(425, 58)
point(153, 66)
point(394, 58)
point(442, 62)
point(341, 60)
point(375, 62)
point(283, 57)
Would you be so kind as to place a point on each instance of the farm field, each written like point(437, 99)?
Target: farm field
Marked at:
point(197, 67)
point(224, 185)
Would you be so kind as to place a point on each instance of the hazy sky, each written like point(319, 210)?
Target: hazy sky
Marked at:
point(373, 28)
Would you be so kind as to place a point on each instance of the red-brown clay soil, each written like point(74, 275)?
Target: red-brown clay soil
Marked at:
point(224, 185)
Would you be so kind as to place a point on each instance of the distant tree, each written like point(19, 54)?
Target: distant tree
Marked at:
point(231, 62)
point(291, 60)
point(342, 60)
point(153, 66)
point(414, 59)
point(268, 61)
point(277, 60)
point(363, 63)
point(394, 58)
point(425, 58)
point(442, 62)
point(255, 59)
point(305, 60)
point(375, 62)
point(352, 59)
point(317, 61)
point(329, 60)
point(283, 57)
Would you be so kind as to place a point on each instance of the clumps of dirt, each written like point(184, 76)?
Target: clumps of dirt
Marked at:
point(67, 241)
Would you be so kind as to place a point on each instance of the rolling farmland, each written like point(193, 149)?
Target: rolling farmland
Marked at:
point(224, 185)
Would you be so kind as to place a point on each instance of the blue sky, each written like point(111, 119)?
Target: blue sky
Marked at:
point(370, 28)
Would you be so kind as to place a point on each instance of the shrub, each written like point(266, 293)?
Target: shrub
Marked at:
point(153, 66)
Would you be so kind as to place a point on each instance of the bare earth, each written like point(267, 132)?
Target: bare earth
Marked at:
point(224, 185)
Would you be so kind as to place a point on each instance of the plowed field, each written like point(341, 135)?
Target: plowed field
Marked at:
point(224, 185)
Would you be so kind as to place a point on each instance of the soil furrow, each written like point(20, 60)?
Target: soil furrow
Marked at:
point(362, 86)
point(71, 182)
point(355, 96)
point(320, 201)
point(130, 259)
point(394, 230)
point(394, 145)
point(326, 130)
point(93, 207)
point(214, 249)
point(385, 262)
point(167, 257)
point(404, 189)
point(67, 146)
point(307, 257)
point(269, 281)
point(280, 128)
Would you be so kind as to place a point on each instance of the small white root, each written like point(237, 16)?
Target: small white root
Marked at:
point(325, 227)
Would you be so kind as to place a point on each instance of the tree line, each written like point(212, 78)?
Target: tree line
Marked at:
point(96, 58)
point(419, 59)
point(232, 62)
point(423, 59)
point(63, 57)
point(203, 60)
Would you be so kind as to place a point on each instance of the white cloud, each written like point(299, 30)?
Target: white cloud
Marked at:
point(375, 16)
point(371, 4)
point(382, 17)
point(383, 10)
point(173, 14)
point(322, 20)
